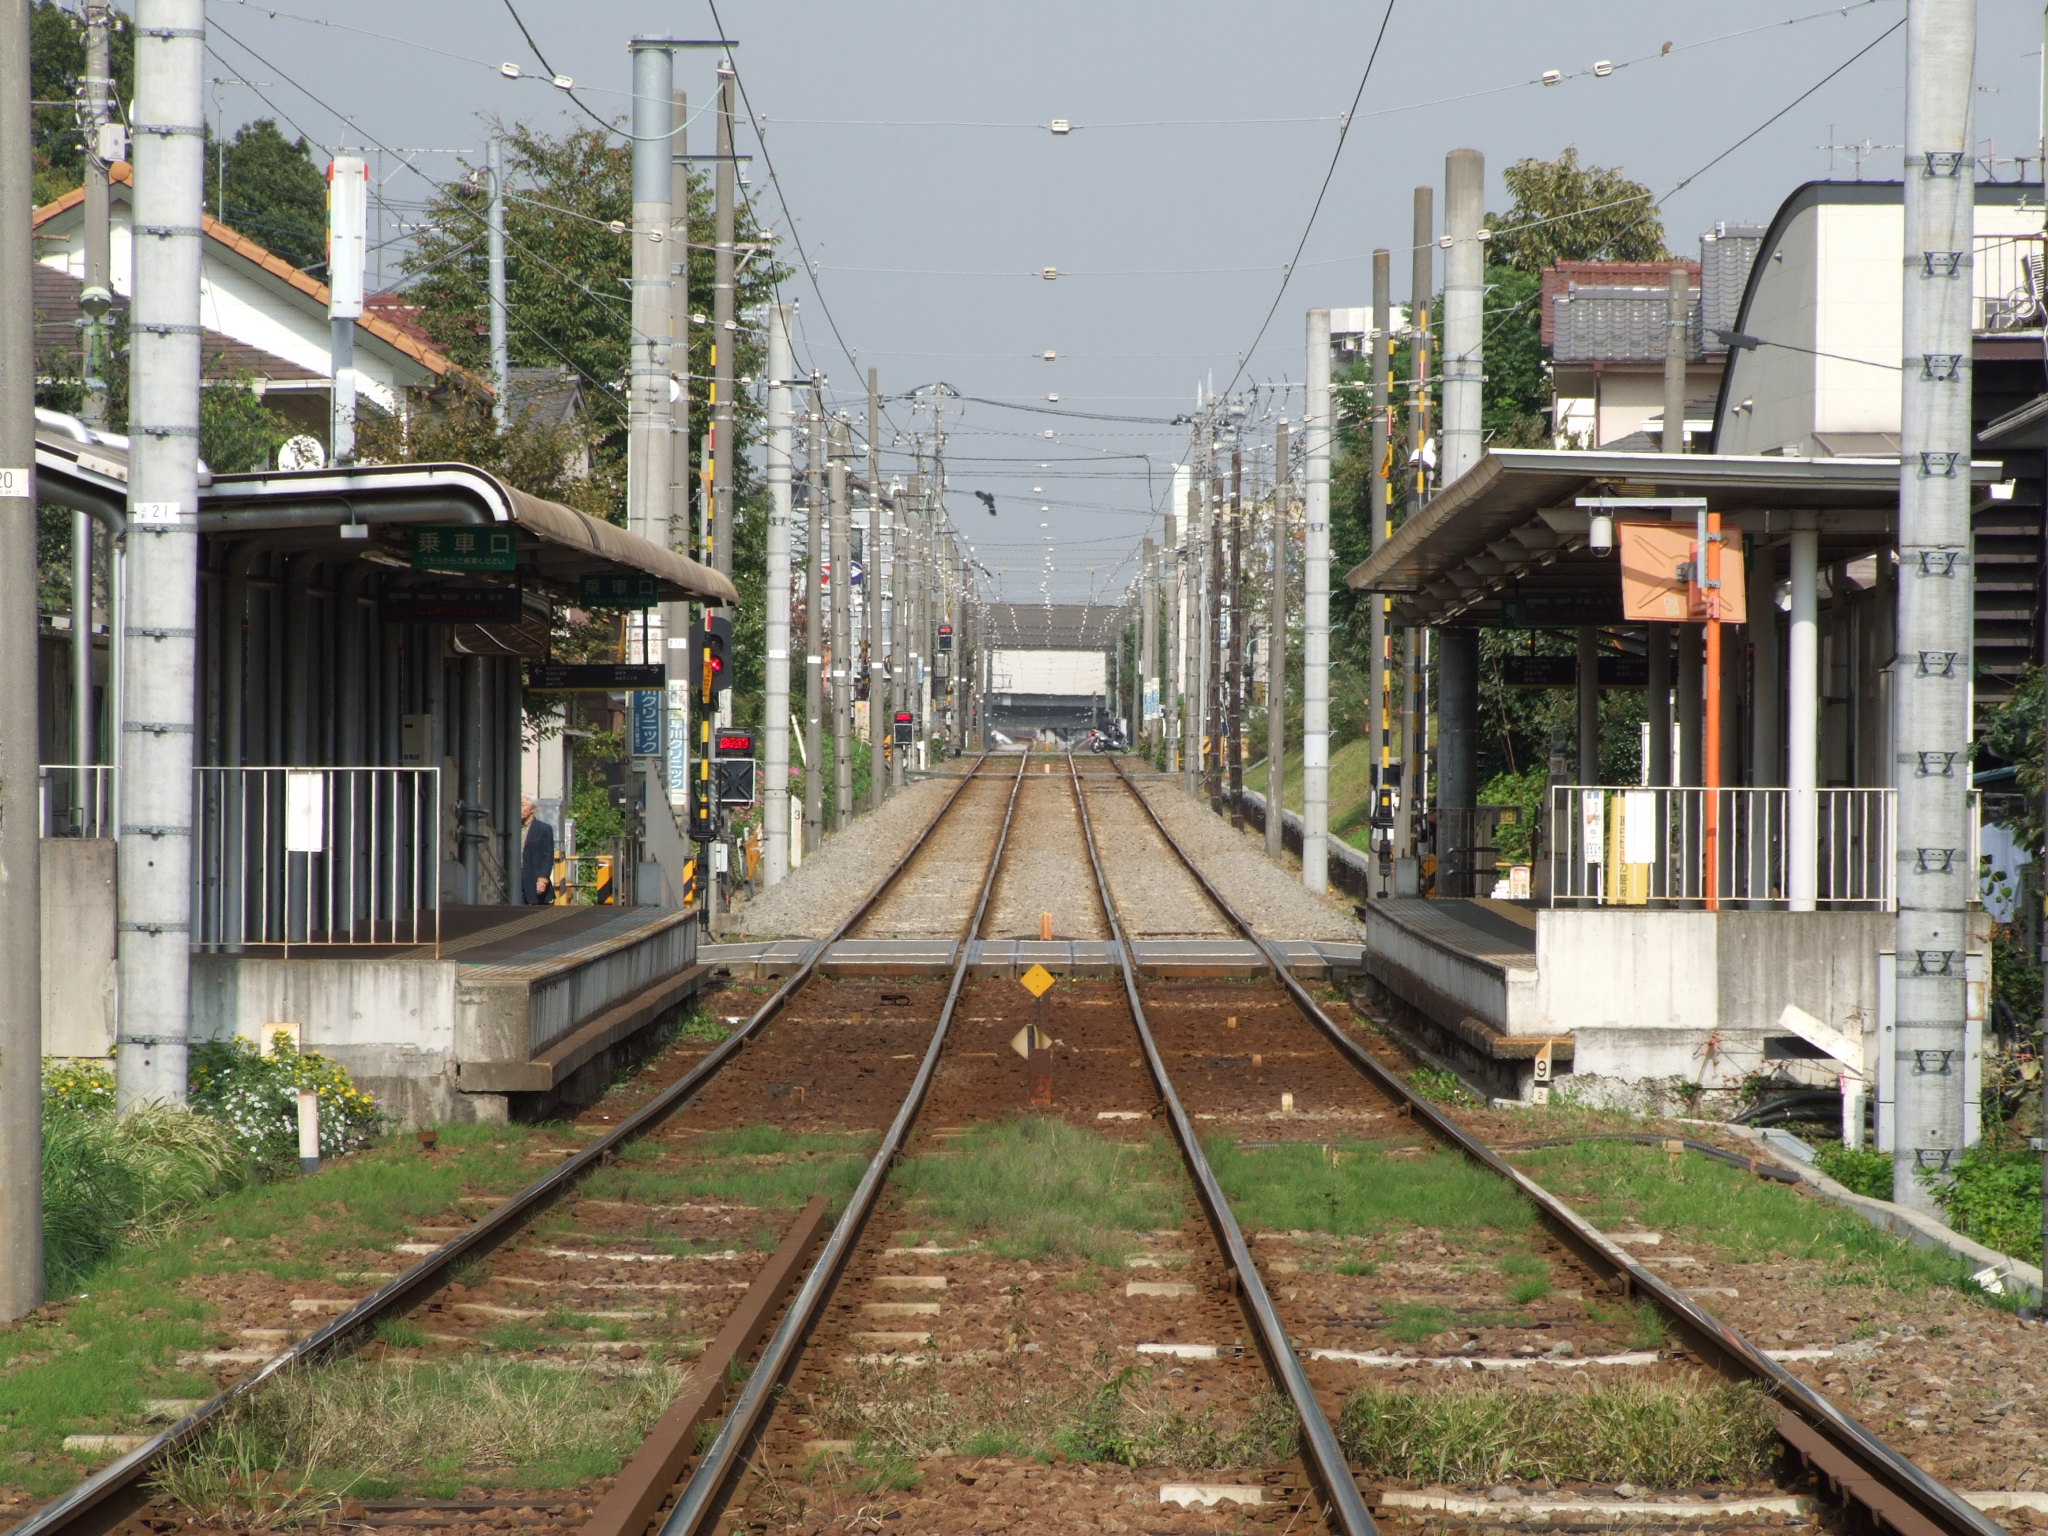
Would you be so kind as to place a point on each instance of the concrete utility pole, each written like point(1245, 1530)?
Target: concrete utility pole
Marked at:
point(871, 602)
point(21, 923)
point(899, 624)
point(725, 331)
point(494, 225)
point(842, 632)
point(1176, 644)
point(348, 207)
point(814, 630)
point(159, 704)
point(1239, 628)
point(1190, 624)
point(1421, 299)
point(676, 618)
point(1378, 714)
point(1276, 648)
point(1217, 725)
point(775, 711)
point(1318, 429)
point(1931, 688)
point(1464, 310)
point(1677, 344)
point(649, 426)
point(1458, 647)
point(1148, 639)
point(96, 300)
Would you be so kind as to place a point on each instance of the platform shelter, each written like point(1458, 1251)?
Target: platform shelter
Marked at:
point(359, 724)
point(1712, 915)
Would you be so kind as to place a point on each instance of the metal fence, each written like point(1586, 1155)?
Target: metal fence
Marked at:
point(75, 799)
point(2009, 281)
point(1647, 847)
point(316, 856)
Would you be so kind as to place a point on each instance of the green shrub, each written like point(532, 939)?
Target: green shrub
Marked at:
point(1995, 1197)
point(107, 1180)
point(1858, 1169)
point(257, 1098)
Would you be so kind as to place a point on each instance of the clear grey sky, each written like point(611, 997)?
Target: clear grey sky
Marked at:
point(929, 230)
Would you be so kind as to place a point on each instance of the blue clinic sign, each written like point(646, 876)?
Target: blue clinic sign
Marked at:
point(647, 722)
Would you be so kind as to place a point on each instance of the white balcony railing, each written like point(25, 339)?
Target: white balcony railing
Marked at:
point(1732, 847)
point(75, 799)
point(2009, 282)
point(316, 856)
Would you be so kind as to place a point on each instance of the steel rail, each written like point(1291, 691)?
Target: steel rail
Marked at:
point(1325, 1456)
point(727, 1451)
point(109, 1496)
point(1862, 1466)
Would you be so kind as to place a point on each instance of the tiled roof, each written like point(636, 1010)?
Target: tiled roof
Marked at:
point(406, 341)
point(1567, 275)
point(54, 295)
point(1609, 324)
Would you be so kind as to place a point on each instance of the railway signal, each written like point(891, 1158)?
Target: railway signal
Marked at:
point(1033, 1043)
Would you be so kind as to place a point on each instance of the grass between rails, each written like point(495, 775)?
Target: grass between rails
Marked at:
point(898, 1414)
point(375, 1429)
point(1363, 1189)
point(1041, 1188)
point(1667, 1433)
point(1741, 1216)
point(761, 1166)
point(84, 1365)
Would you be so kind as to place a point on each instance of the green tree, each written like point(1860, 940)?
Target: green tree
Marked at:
point(1565, 211)
point(566, 271)
point(56, 47)
point(269, 188)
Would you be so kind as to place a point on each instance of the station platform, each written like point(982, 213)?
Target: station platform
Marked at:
point(1638, 999)
point(1308, 960)
point(513, 1000)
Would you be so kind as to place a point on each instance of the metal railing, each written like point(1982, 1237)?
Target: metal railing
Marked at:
point(2009, 282)
point(316, 856)
point(75, 799)
point(1652, 847)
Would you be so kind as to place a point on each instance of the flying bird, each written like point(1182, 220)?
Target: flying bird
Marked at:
point(987, 499)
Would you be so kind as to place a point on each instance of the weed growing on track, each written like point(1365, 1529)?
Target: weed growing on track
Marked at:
point(84, 1364)
point(1041, 1188)
point(903, 1413)
point(109, 1181)
point(1356, 1190)
point(758, 1165)
point(377, 1429)
point(1669, 1433)
point(1730, 1209)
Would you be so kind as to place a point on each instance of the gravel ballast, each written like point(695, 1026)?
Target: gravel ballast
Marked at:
point(1045, 866)
point(1268, 896)
point(816, 898)
point(1156, 897)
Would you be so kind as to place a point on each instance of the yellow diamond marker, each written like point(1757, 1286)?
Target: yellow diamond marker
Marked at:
point(1036, 980)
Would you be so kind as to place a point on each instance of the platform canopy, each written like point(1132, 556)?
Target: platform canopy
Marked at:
point(1505, 544)
point(556, 545)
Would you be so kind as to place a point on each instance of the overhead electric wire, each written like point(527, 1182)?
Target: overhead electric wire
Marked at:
point(553, 73)
point(1329, 174)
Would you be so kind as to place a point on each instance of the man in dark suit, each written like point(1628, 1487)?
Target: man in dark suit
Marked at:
point(537, 859)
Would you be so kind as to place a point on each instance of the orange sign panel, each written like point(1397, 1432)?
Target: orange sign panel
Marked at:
point(1652, 587)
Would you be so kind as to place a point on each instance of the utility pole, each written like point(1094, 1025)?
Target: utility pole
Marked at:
point(1318, 429)
point(1379, 710)
point(1176, 657)
point(162, 578)
point(96, 300)
point(1239, 630)
point(676, 618)
point(842, 632)
point(775, 711)
point(494, 225)
point(348, 206)
point(1931, 699)
point(1276, 650)
point(899, 625)
point(1457, 711)
point(1148, 641)
point(724, 328)
point(1192, 669)
point(21, 922)
point(814, 630)
point(1422, 295)
point(1677, 325)
point(1217, 722)
point(871, 603)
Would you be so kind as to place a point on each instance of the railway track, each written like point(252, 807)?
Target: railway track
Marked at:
point(612, 1278)
point(1219, 1319)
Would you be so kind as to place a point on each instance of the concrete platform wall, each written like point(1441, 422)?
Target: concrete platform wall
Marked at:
point(78, 946)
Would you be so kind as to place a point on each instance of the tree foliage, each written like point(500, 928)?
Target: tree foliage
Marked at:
point(267, 187)
point(56, 48)
point(1565, 211)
